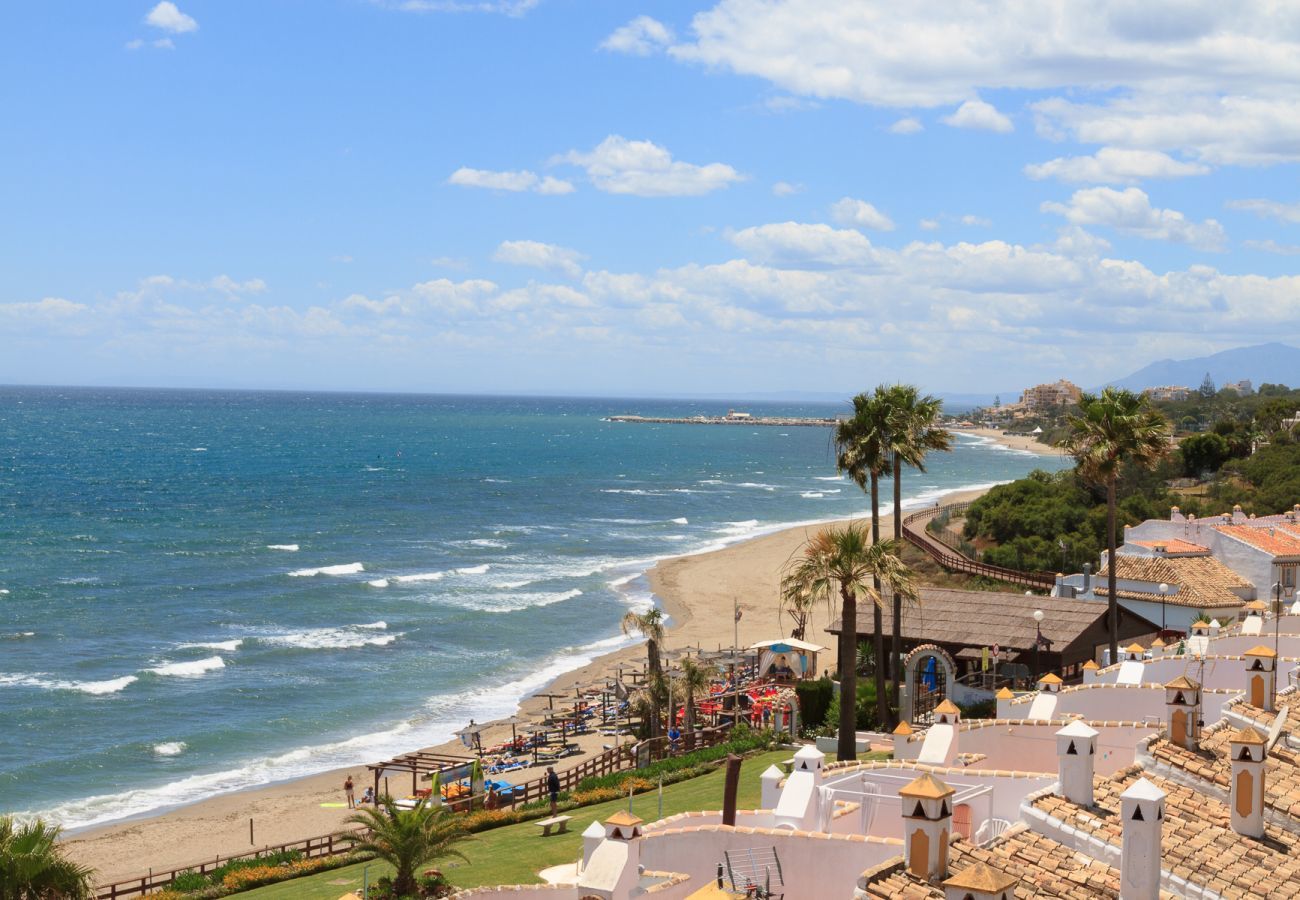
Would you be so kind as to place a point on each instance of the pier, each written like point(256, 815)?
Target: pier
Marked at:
point(731, 418)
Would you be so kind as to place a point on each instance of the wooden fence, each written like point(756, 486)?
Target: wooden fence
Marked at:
point(615, 759)
point(914, 533)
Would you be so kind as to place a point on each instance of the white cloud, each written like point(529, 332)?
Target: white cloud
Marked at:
point(786, 189)
point(522, 180)
point(975, 221)
point(640, 37)
point(908, 125)
point(1075, 241)
point(796, 241)
point(929, 224)
point(1270, 209)
point(167, 17)
point(620, 166)
point(1130, 212)
point(1111, 165)
point(134, 44)
point(1272, 246)
point(540, 256)
point(163, 44)
point(979, 115)
point(849, 211)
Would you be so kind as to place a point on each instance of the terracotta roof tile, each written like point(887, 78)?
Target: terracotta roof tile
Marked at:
point(1173, 545)
point(1202, 581)
point(1278, 542)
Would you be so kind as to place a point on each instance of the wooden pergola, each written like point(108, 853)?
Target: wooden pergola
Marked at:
point(422, 764)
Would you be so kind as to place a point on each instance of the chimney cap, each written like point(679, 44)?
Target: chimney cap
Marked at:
point(1050, 678)
point(1091, 664)
point(1157, 643)
point(624, 818)
point(903, 728)
point(948, 707)
point(926, 787)
point(1135, 648)
point(1078, 728)
point(1004, 693)
point(1142, 790)
point(1261, 650)
point(1248, 735)
point(981, 877)
point(1183, 683)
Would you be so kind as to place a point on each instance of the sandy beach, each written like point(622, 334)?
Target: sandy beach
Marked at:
point(1015, 441)
point(696, 591)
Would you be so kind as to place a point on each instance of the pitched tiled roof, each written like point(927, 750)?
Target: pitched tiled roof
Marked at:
point(1202, 581)
point(1197, 840)
point(985, 618)
point(1212, 762)
point(1173, 546)
point(1274, 540)
point(1042, 867)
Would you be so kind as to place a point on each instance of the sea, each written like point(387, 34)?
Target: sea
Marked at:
point(207, 591)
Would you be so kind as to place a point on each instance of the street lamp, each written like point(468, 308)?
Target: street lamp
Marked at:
point(1038, 626)
point(1164, 591)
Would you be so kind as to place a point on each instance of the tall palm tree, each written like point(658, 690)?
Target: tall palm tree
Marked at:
point(1113, 429)
point(913, 433)
point(407, 838)
point(861, 452)
point(844, 563)
point(650, 625)
point(32, 864)
point(692, 683)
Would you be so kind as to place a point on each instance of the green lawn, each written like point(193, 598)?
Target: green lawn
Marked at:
point(516, 853)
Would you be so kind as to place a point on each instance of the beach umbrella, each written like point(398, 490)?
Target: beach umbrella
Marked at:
point(513, 722)
point(469, 736)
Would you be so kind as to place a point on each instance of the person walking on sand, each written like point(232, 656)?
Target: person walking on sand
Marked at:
point(348, 792)
point(553, 788)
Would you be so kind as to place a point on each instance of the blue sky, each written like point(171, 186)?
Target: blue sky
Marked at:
point(745, 195)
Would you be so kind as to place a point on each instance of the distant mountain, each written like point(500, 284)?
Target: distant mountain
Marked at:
point(1272, 363)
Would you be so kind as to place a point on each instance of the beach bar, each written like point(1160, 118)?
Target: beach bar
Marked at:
point(787, 658)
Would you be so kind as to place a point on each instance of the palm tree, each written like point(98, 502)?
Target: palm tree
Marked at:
point(693, 682)
point(1114, 428)
point(913, 433)
point(650, 625)
point(861, 453)
point(407, 838)
point(798, 606)
point(844, 562)
point(32, 864)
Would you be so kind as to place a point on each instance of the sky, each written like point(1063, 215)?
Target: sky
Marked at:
point(555, 196)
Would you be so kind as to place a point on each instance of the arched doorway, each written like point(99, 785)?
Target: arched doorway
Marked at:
point(928, 677)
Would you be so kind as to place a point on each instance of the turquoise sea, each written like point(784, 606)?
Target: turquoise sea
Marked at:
point(206, 591)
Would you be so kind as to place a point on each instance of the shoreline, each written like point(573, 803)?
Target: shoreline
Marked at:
point(696, 591)
point(1023, 443)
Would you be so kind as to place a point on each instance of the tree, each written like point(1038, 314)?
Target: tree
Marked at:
point(798, 606)
point(860, 452)
point(1207, 389)
point(1203, 453)
point(33, 866)
point(407, 838)
point(844, 564)
point(913, 433)
point(1114, 428)
point(692, 683)
point(650, 625)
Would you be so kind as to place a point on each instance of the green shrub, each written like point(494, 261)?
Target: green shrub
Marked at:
point(814, 700)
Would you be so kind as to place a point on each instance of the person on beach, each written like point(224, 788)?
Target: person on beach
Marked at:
point(553, 788)
point(348, 792)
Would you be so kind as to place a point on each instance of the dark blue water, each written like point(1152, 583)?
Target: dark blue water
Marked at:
point(206, 591)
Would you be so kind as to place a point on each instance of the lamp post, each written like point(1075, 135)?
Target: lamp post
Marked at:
point(1164, 591)
point(1038, 639)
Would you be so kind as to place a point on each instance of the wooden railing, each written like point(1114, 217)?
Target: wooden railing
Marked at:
point(915, 533)
point(310, 848)
point(615, 759)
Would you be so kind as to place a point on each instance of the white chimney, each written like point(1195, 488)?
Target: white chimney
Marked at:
point(1076, 748)
point(1261, 676)
point(771, 790)
point(1142, 810)
point(927, 825)
point(1246, 795)
point(810, 759)
point(1183, 712)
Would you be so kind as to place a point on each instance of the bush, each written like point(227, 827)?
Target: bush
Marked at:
point(985, 709)
point(814, 700)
